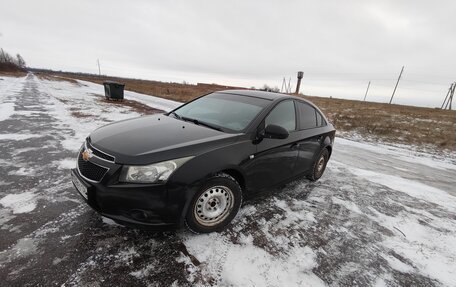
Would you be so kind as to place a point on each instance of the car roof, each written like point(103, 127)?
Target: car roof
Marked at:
point(271, 96)
point(257, 94)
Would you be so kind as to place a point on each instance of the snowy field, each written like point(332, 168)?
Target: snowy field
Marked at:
point(380, 216)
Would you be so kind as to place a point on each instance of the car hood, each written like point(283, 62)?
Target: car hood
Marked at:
point(150, 139)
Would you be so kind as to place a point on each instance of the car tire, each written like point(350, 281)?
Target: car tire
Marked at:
point(215, 204)
point(319, 165)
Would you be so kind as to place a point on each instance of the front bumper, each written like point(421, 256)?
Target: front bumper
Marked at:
point(155, 206)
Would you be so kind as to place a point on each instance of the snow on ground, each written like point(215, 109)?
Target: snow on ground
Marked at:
point(6, 110)
point(405, 154)
point(19, 203)
point(380, 216)
point(155, 102)
point(18, 137)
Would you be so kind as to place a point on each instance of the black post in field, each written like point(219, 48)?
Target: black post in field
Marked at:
point(298, 85)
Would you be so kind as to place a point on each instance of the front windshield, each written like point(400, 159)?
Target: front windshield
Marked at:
point(227, 111)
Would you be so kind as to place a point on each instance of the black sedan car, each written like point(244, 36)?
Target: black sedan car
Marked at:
point(194, 164)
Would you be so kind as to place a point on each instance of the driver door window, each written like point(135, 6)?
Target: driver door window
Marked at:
point(283, 115)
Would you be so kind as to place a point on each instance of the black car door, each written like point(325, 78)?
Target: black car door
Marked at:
point(275, 159)
point(310, 122)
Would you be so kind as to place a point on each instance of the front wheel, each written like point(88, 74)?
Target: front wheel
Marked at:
point(215, 205)
point(319, 165)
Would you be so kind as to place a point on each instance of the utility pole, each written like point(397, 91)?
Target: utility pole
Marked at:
point(298, 85)
point(368, 85)
point(397, 83)
point(449, 97)
point(99, 70)
point(446, 97)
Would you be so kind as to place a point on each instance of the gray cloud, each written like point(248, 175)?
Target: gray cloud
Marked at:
point(340, 45)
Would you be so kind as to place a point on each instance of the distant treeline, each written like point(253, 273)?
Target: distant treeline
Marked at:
point(11, 63)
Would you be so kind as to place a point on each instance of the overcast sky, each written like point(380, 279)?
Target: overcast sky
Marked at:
point(340, 45)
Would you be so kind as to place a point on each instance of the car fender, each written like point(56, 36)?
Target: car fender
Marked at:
point(195, 186)
point(194, 173)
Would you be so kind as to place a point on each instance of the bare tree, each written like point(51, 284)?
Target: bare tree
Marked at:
point(269, 89)
point(2, 56)
point(11, 63)
point(6, 58)
point(20, 61)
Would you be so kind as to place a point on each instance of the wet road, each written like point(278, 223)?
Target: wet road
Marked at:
point(379, 216)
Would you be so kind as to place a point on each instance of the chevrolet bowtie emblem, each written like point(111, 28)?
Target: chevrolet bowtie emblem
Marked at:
point(86, 154)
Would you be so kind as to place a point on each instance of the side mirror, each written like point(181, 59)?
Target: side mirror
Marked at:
point(275, 132)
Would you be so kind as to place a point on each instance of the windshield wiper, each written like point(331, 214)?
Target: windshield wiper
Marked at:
point(176, 115)
point(200, 123)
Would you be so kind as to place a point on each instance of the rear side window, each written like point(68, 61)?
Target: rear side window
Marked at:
point(307, 116)
point(320, 119)
point(283, 115)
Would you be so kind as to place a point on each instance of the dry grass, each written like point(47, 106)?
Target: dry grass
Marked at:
point(136, 106)
point(424, 127)
point(48, 77)
point(11, 70)
point(13, 73)
point(172, 91)
point(392, 123)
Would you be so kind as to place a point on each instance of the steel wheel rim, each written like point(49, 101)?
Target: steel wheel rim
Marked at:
point(213, 205)
point(320, 164)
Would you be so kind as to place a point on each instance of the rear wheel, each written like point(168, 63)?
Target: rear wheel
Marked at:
point(319, 165)
point(215, 205)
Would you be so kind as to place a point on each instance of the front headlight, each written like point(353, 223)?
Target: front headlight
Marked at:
point(154, 173)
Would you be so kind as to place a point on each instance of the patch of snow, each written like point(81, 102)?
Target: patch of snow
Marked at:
point(25, 246)
point(400, 168)
point(18, 137)
point(398, 265)
point(109, 221)
point(6, 111)
point(294, 211)
point(410, 187)
point(142, 273)
point(127, 255)
point(400, 153)
point(23, 171)
point(27, 149)
point(380, 282)
point(248, 265)
point(245, 264)
point(67, 163)
point(432, 254)
point(20, 203)
point(347, 204)
point(57, 260)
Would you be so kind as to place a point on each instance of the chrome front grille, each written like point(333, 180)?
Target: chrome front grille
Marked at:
point(99, 153)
